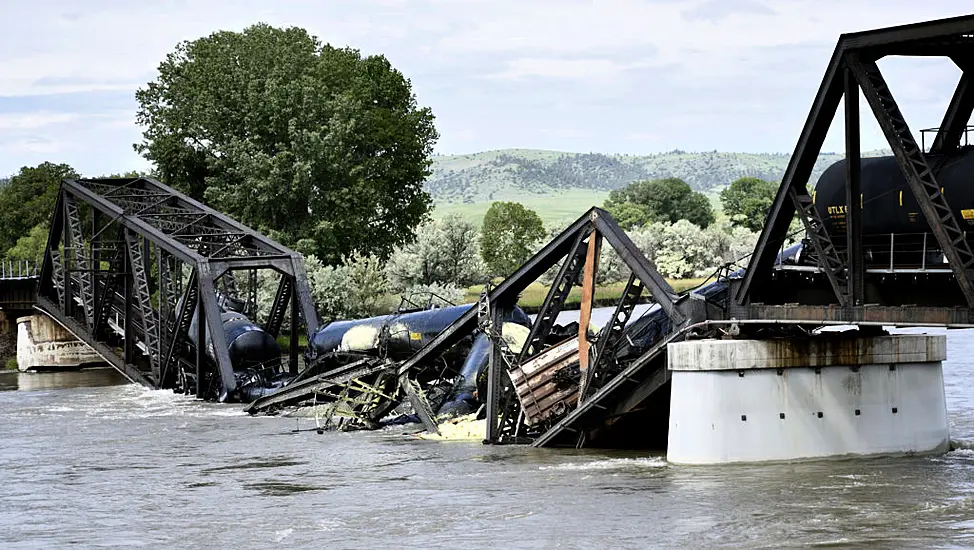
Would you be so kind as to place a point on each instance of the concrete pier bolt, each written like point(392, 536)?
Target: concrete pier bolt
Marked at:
point(823, 396)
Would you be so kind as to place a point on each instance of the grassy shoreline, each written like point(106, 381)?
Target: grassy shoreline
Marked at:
point(533, 297)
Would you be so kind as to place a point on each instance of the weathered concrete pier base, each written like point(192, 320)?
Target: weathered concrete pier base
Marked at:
point(42, 344)
point(823, 396)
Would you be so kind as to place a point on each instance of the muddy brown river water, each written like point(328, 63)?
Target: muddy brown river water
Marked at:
point(86, 460)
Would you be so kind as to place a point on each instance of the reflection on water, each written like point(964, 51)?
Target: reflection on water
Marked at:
point(84, 378)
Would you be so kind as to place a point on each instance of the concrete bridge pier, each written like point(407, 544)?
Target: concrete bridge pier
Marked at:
point(828, 395)
point(42, 344)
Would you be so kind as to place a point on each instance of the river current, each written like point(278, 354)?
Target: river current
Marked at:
point(87, 460)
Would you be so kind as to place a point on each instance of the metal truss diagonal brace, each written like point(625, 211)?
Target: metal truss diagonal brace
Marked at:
point(180, 331)
point(644, 270)
point(612, 332)
point(958, 114)
point(832, 264)
point(795, 177)
point(303, 290)
point(555, 299)
point(82, 264)
point(918, 174)
point(275, 318)
point(150, 329)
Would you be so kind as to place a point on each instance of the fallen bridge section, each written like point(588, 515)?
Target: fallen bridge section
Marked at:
point(162, 287)
point(574, 385)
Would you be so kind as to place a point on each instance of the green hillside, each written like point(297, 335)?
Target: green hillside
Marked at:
point(562, 205)
point(561, 185)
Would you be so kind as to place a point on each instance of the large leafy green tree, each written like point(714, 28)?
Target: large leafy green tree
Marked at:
point(508, 236)
point(659, 200)
point(26, 202)
point(746, 201)
point(317, 146)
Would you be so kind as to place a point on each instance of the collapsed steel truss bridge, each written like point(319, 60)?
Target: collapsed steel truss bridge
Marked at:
point(527, 396)
point(129, 262)
point(136, 269)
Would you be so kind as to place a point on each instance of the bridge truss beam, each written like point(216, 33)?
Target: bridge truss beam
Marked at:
point(853, 69)
point(141, 273)
point(505, 421)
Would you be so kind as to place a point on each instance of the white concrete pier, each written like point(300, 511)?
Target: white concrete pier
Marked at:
point(42, 344)
point(788, 399)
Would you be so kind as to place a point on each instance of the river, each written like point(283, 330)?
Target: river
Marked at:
point(86, 460)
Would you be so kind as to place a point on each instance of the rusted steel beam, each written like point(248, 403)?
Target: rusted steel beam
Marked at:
point(585, 313)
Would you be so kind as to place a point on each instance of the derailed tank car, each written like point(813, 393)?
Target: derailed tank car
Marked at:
point(398, 336)
point(254, 354)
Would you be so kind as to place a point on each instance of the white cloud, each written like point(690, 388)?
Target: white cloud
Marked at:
point(587, 74)
point(34, 120)
point(564, 68)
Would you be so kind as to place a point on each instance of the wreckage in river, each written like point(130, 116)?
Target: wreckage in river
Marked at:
point(533, 381)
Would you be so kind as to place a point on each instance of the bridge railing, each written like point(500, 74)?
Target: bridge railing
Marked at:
point(18, 269)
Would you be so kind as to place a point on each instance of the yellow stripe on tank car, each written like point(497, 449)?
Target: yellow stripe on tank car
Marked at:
point(901, 198)
point(860, 201)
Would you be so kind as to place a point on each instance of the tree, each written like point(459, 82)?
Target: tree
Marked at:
point(508, 236)
point(445, 252)
point(31, 246)
point(734, 244)
point(747, 202)
point(660, 200)
point(354, 289)
point(28, 200)
point(461, 244)
point(301, 140)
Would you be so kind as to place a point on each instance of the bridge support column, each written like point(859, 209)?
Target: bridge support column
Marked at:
point(823, 396)
point(43, 344)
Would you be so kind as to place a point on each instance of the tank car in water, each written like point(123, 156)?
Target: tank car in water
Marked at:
point(254, 354)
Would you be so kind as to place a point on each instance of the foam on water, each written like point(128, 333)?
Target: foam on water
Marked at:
point(610, 464)
point(71, 475)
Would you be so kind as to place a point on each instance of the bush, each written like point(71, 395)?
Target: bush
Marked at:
point(434, 294)
point(445, 252)
point(355, 289)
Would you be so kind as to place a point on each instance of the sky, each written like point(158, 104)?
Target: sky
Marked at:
point(608, 76)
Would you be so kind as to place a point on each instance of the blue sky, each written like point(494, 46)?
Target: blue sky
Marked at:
point(622, 76)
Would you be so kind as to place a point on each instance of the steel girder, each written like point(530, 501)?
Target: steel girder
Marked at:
point(130, 263)
point(851, 69)
point(569, 248)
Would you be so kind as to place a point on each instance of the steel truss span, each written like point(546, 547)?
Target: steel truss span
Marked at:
point(852, 71)
point(152, 279)
point(545, 391)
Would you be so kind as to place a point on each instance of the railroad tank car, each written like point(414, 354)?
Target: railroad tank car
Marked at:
point(247, 344)
point(402, 334)
point(888, 204)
